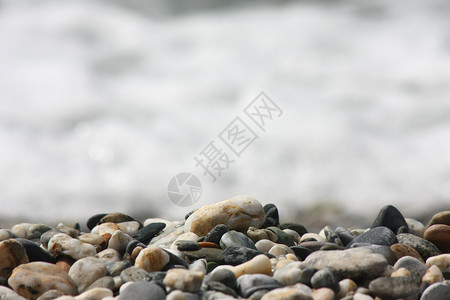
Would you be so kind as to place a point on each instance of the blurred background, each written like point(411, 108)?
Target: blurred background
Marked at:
point(102, 102)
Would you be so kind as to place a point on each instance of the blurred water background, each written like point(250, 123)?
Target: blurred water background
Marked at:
point(102, 102)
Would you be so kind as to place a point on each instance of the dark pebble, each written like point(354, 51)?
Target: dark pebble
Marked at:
point(306, 275)
point(271, 217)
point(133, 274)
point(93, 221)
point(235, 255)
point(424, 247)
point(391, 217)
point(133, 244)
point(345, 235)
point(224, 276)
point(325, 278)
point(156, 277)
point(35, 252)
point(301, 252)
point(436, 291)
point(315, 245)
point(184, 245)
point(146, 233)
point(299, 228)
point(220, 287)
point(210, 254)
point(283, 237)
point(376, 236)
point(46, 236)
point(250, 283)
point(115, 268)
point(394, 287)
point(216, 233)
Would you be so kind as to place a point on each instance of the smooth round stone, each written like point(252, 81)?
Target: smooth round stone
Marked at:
point(106, 282)
point(299, 228)
point(351, 263)
point(185, 245)
point(325, 278)
point(394, 287)
point(441, 261)
point(271, 217)
point(376, 236)
point(108, 255)
point(289, 274)
point(35, 252)
point(104, 228)
point(390, 217)
point(12, 254)
point(148, 232)
point(248, 284)
point(345, 235)
point(287, 293)
point(323, 294)
point(220, 287)
point(283, 237)
point(415, 227)
point(115, 268)
point(179, 295)
point(152, 259)
point(256, 234)
point(6, 234)
point(142, 290)
point(133, 274)
point(238, 213)
point(346, 286)
point(415, 266)
point(215, 234)
point(257, 265)
point(119, 241)
point(116, 218)
point(36, 230)
point(234, 238)
point(401, 250)
point(309, 237)
point(225, 276)
point(210, 254)
point(380, 249)
point(130, 227)
point(433, 275)
point(264, 245)
point(184, 280)
point(87, 270)
point(50, 295)
point(199, 266)
point(62, 243)
point(93, 221)
point(280, 250)
point(33, 279)
point(439, 234)
point(235, 255)
point(301, 252)
point(442, 217)
point(436, 291)
point(293, 234)
point(134, 244)
point(422, 246)
point(46, 236)
point(92, 238)
point(306, 275)
point(21, 230)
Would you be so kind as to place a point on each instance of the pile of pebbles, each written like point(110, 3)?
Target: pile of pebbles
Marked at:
point(234, 249)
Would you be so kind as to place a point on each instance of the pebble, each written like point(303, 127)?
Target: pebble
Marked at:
point(50, 295)
point(394, 287)
point(210, 254)
point(376, 236)
point(93, 221)
point(148, 232)
point(401, 250)
point(323, 294)
point(5, 234)
point(179, 295)
point(271, 217)
point(422, 246)
point(264, 245)
point(21, 230)
point(415, 227)
point(442, 217)
point(108, 255)
point(62, 243)
point(151, 259)
point(436, 291)
point(185, 280)
point(185, 245)
point(225, 276)
point(433, 275)
point(441, 261)
point(301, 252)
point(415, 267)
point(35, 252)
point(35, 231)
point(401, 272)
point(257, 265)
point(312, 237)
point(234, 238)
point(237, 213)
point(345, 235)
point(289, 274)
point(282, 237)
point(391, 217)
point(286, 293)
point(115, 218)
point(215, 234)
point(105, 228)
point(346, 286)
point(31, 280)
point(92, 238)
point(293, 234)
point(46, 236)
point(238, 255)
point(325, 278)
point(350, 263)
point(439, 235)
point(87, 270)
point(119, 241)
point(129, 227)
point(280, 250)
point(142, 290)
point(103, 282)
point(380, 249)
point(133, 274)
point(12, 254)
point(250, 283)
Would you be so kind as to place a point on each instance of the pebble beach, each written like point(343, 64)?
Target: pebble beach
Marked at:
point(234, 249)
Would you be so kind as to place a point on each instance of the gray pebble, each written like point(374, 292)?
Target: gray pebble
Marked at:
point(325, 278)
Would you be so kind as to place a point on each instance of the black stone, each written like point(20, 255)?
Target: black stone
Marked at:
point(325, 278)
point(376, 236)
point(271, 217)
point(283, 237)
point(345, 235)
point(306, 275)
point(391, 217)
point(216, 233)
point(220, 287)
point(146, 233)
point(133, 244)
point(184, 245)
point(175, 261)
point(34, 252)
point(114, 268)
point(236, 255)
point(250, 283)
point(224, 276)
point(301, 252)
point(299, 228)
point(93, 221)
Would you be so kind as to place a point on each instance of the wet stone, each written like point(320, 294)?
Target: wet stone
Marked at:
point(422, 246)
point(147, 233)
point(378, 236)
point(215, 234)
point(391, 217)
point(394, 287)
